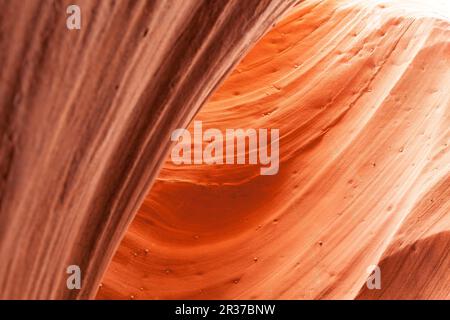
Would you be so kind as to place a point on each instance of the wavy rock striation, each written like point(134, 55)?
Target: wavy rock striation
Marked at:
point(360, 93)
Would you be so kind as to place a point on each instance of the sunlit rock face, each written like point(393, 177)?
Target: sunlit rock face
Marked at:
point(359, 91)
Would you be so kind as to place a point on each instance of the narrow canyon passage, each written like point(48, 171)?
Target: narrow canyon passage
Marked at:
point(358, 91)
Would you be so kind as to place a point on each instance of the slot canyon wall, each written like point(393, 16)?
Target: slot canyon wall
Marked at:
point(86, 117)
point(360, 93)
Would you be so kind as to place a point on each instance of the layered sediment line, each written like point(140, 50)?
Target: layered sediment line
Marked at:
point(85, 121)
point(360, 93)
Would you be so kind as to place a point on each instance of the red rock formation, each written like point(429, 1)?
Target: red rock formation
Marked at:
point(359, 90)
point(360, 93)
point(86, 116)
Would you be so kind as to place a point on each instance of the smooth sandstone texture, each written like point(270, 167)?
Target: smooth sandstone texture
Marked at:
point(86, 117)
point(360, 93)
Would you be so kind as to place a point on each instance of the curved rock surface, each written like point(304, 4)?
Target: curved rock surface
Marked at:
point(360, 93)
point(85, 117)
